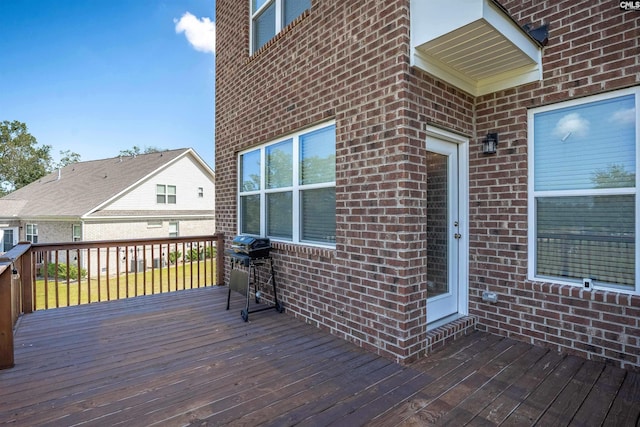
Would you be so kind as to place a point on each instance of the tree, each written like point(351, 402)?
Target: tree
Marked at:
point(136, 151)
point(68, 157)
point(21, 160)
point(614, 176)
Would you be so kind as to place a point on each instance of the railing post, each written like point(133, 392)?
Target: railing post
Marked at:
point(6, 318)
point(220, 259)
point(27, 277)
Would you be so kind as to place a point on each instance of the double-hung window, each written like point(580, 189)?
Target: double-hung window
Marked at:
point(287, 188)
point(31, 233)
point(583, 191)
point(269, 17)
point(76, 232)
point(173, 229)
point(166, 194)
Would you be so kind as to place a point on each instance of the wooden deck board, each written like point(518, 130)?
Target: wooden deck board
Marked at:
point(595, 407)
point(450, 406)
point(516, 393)
point(182, 358)
point(625, 410)
point(536, 404)
point(562, 410)
point(403, 387)
point(416, 408)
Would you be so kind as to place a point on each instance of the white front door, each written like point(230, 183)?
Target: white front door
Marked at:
point(444, 232)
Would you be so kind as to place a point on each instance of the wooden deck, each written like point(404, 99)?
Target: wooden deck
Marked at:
point(181, 358)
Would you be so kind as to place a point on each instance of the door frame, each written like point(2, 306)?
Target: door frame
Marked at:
point(463, 212)
point(16, 236)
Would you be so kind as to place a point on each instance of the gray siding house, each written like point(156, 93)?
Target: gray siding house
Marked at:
point(157, 195)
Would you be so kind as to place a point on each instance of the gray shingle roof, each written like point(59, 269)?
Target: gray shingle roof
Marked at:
point(78, 188)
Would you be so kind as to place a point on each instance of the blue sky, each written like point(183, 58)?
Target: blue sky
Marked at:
point(99, 76)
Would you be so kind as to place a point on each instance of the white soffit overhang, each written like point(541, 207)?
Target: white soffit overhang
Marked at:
point(473, 45)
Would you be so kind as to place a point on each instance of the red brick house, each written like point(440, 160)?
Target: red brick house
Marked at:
point(360, 137)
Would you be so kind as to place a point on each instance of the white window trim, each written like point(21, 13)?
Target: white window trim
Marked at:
point(174, 195)
point(279, 8)
point(166, 194)
point(73, 236)
point(532, 194)
point(27, 234)
point(163, 194)
point(252, 16)
point(296, 188)
point(177, 227)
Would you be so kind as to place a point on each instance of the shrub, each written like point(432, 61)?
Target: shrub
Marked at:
point(63, 269)
point(198, 254)
point(174, 256)
point(193, 255)
point(210, 252)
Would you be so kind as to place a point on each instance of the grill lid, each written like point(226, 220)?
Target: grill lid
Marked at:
point(255, 247)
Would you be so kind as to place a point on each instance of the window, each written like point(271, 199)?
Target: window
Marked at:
point(7, 240)
point(77, 232)
point(268, 17)
point(32, 233)
point(173, 229)
point(583, 184)
point(166, 194)
point(287, 188)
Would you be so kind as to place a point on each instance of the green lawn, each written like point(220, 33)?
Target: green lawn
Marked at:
point(125, 285)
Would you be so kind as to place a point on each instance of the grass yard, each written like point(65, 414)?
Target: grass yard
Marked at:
point(125, 285)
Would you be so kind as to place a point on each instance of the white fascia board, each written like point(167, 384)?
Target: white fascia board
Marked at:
point(509, 79)
point(95, 218)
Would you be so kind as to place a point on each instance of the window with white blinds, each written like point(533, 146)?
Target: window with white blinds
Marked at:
point(269, 17)
point(583, 202)
point(287, 188)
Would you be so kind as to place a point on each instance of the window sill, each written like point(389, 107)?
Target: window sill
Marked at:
point(579, 287)
point(304, 250)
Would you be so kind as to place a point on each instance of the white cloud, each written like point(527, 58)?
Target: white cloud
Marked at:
point(200, 33)
point(571, 124)
point(624, 117)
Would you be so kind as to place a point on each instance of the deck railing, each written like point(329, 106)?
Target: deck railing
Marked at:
point(43, 276)
point(12, 265)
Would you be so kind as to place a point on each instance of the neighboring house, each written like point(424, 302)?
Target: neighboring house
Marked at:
point(157, 195)
point(360, 137)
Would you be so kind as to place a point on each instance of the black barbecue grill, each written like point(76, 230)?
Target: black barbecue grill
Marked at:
point(248, 253)
point(252, 247)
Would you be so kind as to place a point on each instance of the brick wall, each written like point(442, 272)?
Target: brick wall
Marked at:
point(349, 61)
point(593, 48)
point(346, 61)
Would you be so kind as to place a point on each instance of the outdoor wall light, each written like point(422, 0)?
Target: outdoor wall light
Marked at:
point(490, 143)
